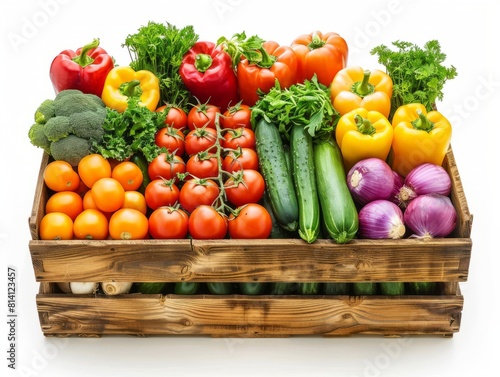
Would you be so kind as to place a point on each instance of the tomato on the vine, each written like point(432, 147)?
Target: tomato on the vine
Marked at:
point(196, 192)
point(168, 223)
point(237, 116)
point(244, 186)
point(175, 116)
point(250, 221)
point(203, 165)
point(202, 115)
point(161, 192)
point(205, 222)
point(239, 137)
point(241, 158)
point(172, 139)
point(200, 140)
point(166, 165)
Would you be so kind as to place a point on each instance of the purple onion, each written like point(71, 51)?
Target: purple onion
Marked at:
point(426, 178)
point(381, 219)
point(431, 215)
point(398, 184)
point(370, 179)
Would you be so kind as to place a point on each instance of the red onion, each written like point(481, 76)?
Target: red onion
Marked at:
point(398, 184)
point(426, 178)
point(370, 179)
point(381, 219)
point(431, 215)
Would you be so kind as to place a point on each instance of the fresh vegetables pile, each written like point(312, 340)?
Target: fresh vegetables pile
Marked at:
point(245, 138)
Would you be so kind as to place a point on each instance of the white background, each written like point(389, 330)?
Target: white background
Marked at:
point(34, 31)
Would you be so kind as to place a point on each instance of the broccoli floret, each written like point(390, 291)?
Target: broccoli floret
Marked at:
point(88, 124)
point(37, 136)
point(77, 103)
point(57, 128)
point(45, 111)
point(70, 149)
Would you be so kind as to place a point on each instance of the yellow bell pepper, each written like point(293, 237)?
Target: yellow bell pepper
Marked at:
point(361, 134)
point(354, 87)
point(123, 82)
point(419, 136)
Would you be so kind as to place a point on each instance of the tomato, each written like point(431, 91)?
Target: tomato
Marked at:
point(93, 167)
point(250, 221)
point(239, 137)
point(128, 174)
point(166, 165)
point(245, 186)
point(60, 176)
point(136, 200)
point(168, 223)
point(175, 116)
point(108, 194)
point(241, 158)
point(128, 224)
point(160, 192)
point(203, 165)
point(202, 115)
point(206, 223)
point(172, 139)
point(91, 224)
point(68, 202)
point(200, 140)
point(237, 116)
point(56, 226)
point(196, 192)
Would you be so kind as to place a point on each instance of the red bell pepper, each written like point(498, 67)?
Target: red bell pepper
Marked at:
point(207, 72)
point(85, 70)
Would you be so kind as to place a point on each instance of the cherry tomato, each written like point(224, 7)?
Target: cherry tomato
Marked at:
point(68, 202)
point(202, 115)
point(172, 139)
point(128, 174)
point(168, 223)
point(245, 186)
point(108, 194)
point(175, 116)
point(56, 226)
point(128, 224)
point(200, 140)
point(203, 165)
point(136, 200)
point(237, 116)
point(91, 224)
point(250, 221)
point(206, 223)
point(239, 137)
point(241, 158)
point(196, 192)
point(160, 192)
point(166, 165)
point(93, 167)
point(60, 176)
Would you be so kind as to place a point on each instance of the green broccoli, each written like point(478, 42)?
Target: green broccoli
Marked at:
point(67, 126)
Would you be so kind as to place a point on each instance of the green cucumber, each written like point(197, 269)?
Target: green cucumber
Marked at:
point(150, 288)
point(220, 288)
point(277, 231)
point(422, 288)
point(142, 163)
point(308, 288)
point(392, 288)
point(338, 210)
point(186, 288)
point(336, 288)
point(364, 289)
point(283, 288)
point(304, 177)
point(252, 288)
point(274, 169)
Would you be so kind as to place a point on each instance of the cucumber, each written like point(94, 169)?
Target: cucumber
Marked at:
point(304, 178)
point(150, 288)
point(252, 288)
point(277, 231)
point(338, 210)
point(186, 288)
point(283, 288)
point(364, 289)
point(392, 288)
point(422, 288)
point(142, 163)
point(220, 288)
point(274, 169)
point(308, 288)
point(336, 288)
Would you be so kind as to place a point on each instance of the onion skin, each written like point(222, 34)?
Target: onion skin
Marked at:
point(381, 219)
point(431, 216)
point(398, 184)
point(370, 179)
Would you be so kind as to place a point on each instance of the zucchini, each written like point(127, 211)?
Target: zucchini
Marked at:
point(308, 288)
point(283, 288)
point(274, 169)
point(186, 288)
point(150, 288)
point(142, 163)
point(220, 288)
point(364, 289)
point(336, 288)
point(338, 210)
point(422, 288)
point(301, 145)
point(392, 288)
point(252, 288)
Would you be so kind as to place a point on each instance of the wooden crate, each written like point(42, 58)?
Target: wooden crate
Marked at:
point(445, 261)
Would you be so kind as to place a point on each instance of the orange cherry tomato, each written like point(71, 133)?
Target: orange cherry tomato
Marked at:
point(68, 202)
point(128, 224)
point(108, 194)
point(128, 174)
point(136, 200)
point(56, 226)
point(93, 167)
point(91, 224)
point(60, 176)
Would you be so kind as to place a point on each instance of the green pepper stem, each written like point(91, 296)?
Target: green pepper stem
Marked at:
point(364, 125)
point(363, 88)
point(131, 88)
point(83, 59)
point(422, 122)
point(203, 62)
point(267, 59)
point(316, 42)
